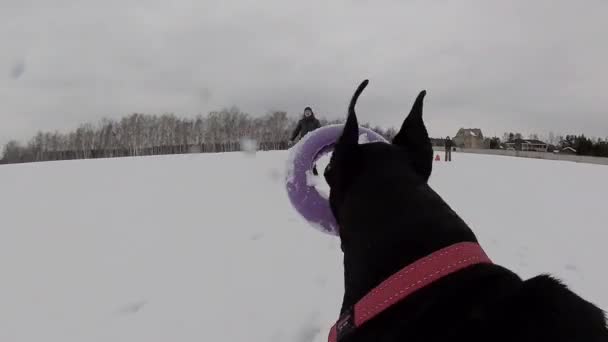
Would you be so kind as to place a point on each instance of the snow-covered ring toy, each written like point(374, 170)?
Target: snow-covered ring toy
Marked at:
point(302, 193)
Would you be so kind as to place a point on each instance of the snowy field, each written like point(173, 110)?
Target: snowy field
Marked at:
point(207, 248)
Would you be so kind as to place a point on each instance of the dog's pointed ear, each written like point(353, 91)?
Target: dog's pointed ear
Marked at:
point(414, 137)
point(350, 134)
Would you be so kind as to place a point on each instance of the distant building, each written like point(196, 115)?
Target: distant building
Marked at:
point(567, 150)
point(437, 142)
point(526, 145)
point(469, 138)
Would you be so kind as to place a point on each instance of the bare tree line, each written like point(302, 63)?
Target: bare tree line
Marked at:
point(219, 131)
point(143, 134)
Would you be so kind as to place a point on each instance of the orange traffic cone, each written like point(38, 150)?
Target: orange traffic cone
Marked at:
point(437, 158)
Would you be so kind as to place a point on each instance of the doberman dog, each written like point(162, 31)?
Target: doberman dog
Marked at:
point(390, 218)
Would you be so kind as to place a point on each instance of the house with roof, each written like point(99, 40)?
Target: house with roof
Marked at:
point(526, 145)
point(567, 150)
point(469, 138)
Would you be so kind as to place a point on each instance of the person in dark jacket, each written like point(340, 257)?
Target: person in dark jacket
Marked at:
point(307, 124)
point(448, 148)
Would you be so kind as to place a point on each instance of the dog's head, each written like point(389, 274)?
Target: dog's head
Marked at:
point(371, 182)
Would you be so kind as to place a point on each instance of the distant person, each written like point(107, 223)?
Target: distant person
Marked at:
point(307, 124)
point(448, 148)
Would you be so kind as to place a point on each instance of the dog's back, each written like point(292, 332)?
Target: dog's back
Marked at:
point(490, 303)
point(544, 309)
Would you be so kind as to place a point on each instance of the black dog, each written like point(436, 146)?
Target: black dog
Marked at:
point(389, 217)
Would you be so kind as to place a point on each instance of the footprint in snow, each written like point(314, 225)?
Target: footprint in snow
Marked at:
point(521, 253)
point(309, 330)
point(256, 236)
point(571, 267)
point(133, 308)
point(574, 269)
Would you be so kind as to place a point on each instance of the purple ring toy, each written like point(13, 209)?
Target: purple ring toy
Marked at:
point(304, 196)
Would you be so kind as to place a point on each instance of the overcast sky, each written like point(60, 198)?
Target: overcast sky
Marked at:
point(529, 66)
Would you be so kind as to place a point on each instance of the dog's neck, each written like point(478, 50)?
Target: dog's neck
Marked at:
point(402, 238)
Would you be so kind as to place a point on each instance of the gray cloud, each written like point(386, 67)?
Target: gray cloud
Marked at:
point(512, 65)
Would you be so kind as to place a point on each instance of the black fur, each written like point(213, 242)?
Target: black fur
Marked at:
point(389, 217)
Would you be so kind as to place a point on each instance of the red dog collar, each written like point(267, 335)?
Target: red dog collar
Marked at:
point(407, 281)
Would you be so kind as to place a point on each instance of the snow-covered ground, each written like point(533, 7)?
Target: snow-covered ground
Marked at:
point(207, 248)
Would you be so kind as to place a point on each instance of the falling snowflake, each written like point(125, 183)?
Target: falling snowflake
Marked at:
point(249, 146)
